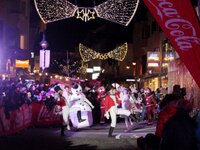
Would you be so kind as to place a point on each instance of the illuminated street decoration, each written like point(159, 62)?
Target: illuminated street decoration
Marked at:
point(83, 68)
point(88, 54)
point(118, 11)
point(85, 14)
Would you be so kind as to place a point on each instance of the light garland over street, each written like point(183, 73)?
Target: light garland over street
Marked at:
point(117, 11)
point(87, 54)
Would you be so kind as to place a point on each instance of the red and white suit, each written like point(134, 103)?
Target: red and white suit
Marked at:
point(62, 103)
point(111, 108)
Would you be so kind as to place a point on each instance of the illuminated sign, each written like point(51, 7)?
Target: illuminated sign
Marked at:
point(153, 64)
point(21, 63)
point(169, 56)
point(154, 56)
point(153, 59)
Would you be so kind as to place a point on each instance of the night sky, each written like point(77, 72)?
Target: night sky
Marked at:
point(98, 34)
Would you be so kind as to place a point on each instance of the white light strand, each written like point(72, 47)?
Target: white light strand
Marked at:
point(118, 11)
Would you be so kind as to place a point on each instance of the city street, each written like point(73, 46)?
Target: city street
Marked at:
point(94, 138)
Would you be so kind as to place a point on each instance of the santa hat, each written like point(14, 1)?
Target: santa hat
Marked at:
point(116, 85)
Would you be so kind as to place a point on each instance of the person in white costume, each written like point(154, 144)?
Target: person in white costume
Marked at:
point(78, 102)
point(127, 104)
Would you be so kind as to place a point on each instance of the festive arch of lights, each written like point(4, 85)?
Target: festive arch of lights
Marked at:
point(87, 54)
point(117, 11)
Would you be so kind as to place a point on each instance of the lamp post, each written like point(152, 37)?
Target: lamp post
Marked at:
point(44, 45)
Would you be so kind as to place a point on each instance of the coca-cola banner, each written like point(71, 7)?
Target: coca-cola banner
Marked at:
point(179, 22)
point(18, 120)
point(26, 116)
point(42, 116)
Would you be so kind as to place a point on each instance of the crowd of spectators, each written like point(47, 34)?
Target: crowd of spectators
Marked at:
point(15, 93)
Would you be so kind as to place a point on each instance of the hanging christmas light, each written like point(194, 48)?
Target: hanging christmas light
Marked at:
point(83, 68)
point(118, 11)
point(87, 54)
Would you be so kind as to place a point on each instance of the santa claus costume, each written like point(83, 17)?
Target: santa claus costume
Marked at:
point(150, 104)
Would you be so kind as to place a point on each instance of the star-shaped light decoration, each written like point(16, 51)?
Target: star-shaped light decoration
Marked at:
point(91, 14)
point(80, 14)
point(85, 14)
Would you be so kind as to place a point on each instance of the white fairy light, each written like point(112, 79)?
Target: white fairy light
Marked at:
point(118, 11)
point(54, 10)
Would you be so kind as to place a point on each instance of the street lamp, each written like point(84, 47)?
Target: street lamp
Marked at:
point(44, 43)
point(43, 65)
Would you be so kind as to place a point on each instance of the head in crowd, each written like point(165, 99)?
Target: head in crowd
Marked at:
point(126, 91)
point(110, 89)
point(177, 91)
point(101, 90)
point(147, 91)
point(133, 89)
point(168, 99)
point(184, 106)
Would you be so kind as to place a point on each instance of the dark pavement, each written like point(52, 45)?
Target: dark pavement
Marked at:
point(91, 138)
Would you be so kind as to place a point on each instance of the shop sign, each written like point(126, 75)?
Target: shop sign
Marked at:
point(21, 63)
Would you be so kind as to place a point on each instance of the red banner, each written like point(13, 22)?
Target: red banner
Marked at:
point(25, 116)
point(19, 119)
point(179, 22)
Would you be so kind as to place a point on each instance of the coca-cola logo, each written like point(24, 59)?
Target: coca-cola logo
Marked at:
point(182, 30)
point(45, 115)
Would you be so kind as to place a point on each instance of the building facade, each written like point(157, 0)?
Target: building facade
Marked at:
point(15, 31)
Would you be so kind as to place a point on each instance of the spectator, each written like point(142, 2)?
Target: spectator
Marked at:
point(167, 110)
point(179, 130)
